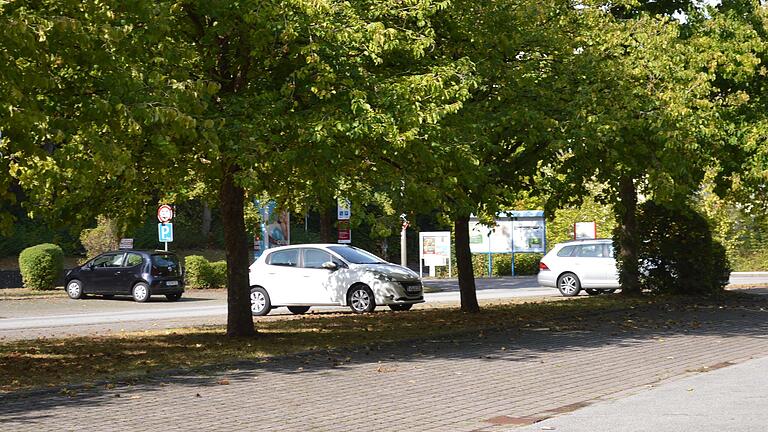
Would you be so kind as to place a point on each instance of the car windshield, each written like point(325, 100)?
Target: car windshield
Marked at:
point(356, 256)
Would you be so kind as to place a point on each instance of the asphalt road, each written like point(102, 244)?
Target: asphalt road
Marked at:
point(52, 317)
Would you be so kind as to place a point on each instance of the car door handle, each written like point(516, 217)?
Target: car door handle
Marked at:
point(117, 272)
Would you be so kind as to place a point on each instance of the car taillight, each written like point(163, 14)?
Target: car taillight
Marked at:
point(543, 266)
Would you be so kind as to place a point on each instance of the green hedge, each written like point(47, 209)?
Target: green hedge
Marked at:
point(202, 274)
point(41, 266)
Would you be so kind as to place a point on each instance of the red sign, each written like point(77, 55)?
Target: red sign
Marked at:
point(345, 233)
point(164, 213)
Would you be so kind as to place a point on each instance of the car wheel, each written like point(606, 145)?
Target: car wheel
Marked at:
point(360, 299)
point(568, 284)
point(593, 292)
point(298, 310)
point(75, 289)
point(609, 291)
point(140, 292)
point(173, 297)
point(260, 304)
point(401, 307)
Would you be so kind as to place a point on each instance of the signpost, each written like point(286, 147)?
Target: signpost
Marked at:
point(345, 232)
point(126, 243)
point(344, 213)
point(516, 231)
point(584, 230)
point(435, 250)
point(165, 228)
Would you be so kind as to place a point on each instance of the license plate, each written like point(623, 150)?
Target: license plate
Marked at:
point(171, 283)
point(414, 289)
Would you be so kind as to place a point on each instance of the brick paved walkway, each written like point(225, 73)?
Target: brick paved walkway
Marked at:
point(483, 383)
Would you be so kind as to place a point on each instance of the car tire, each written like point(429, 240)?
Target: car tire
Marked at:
point(568, 284)
point(140, 292)
point(75, 289)
point(260, 303)
point(360, 299)
point(593, 292)
point(173, 297)
point(609, 291)
point(401, 307)
point(298, 310)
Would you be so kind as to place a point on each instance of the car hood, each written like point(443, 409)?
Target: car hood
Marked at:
point(398, 272)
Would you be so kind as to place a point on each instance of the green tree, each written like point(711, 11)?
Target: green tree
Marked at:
point(647, 115)
point(295, 99)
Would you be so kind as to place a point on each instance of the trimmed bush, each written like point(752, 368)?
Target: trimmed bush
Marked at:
point(677, 252)
point(196, 270)
point(41, 266)
point(202, 274)
point(218, 274)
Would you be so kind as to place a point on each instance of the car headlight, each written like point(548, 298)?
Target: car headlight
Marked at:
point(383, 277)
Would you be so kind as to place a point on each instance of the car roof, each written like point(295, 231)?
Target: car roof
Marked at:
point(295, 246)
point(581, 241)
point(142, 251)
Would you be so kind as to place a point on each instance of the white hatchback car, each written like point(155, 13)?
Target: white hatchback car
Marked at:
point(301, 276)
point(581, 264)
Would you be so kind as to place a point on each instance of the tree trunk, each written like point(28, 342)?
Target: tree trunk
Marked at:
point(239, 318)
point(205, 226)
point(327, 216)
point(627, 237)
point(464, 266)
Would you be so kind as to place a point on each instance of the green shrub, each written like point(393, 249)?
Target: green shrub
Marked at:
point(202, 274)
point(218, 274)
point(677, 252)
point(41, 266)
point(104, 238)
point(196, 271)
point(526, 264)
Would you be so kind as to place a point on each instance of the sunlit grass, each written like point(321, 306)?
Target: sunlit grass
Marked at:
point(55, 362)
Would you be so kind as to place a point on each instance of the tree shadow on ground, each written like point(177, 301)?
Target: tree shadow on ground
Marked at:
point(523, 344)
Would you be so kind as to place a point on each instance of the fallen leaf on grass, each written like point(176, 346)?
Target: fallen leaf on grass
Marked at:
point(223, 382)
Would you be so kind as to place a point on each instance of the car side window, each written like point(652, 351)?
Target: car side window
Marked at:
point(111, 260)
point(133, 259)
point(591, 251)
point(566, 251)
point(288, 258)
point(315, 258)
point(608, 250)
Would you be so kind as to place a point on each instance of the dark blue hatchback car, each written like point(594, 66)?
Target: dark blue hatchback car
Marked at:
point(137, 273)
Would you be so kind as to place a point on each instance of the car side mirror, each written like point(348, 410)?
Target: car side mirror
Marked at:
point(330, 265)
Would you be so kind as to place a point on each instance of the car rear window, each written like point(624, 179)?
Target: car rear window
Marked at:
point(166, 264)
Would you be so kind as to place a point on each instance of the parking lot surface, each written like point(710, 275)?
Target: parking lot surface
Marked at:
point(478, 382)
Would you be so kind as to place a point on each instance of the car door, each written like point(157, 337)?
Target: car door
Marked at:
point(281, 274)
point(611, 271)
point(590, 265)
point(314, 280)
point(104, 273)
point(130, 273)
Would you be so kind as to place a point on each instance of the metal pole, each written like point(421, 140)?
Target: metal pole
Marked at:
point(403, 251)
point(166, 246)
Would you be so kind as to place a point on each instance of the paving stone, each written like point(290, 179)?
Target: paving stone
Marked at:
point(467, 385)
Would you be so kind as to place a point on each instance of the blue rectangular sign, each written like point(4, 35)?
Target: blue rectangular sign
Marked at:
point(165, 232)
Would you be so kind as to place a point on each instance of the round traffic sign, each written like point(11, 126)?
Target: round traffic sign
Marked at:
point(164, 213)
